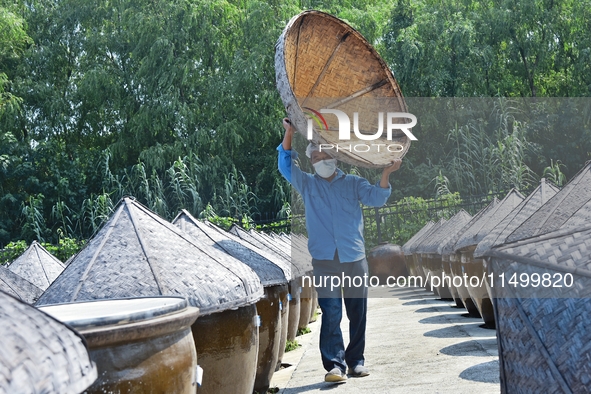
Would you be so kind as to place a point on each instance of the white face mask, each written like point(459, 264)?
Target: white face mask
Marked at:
point(325, 168)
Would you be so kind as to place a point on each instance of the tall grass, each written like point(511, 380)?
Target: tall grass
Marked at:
point(490, 155)
point(554, 173)
point(34, 222)
point(165, 192)
point(236, 199)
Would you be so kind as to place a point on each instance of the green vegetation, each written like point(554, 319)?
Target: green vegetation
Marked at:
point(66, 248)
point(12, 251)
point(315, 315)
point(303, 331)
point(174, 102)
point(409, 215)
point(291, 345)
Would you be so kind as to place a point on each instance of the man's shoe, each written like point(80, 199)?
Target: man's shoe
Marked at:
point(335, 375)
point(358, 371)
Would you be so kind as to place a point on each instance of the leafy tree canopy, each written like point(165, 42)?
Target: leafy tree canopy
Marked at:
point(174, 101)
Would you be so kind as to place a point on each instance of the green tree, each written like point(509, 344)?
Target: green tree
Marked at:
point(13, 41)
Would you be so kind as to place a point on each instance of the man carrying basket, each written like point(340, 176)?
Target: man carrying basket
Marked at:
point(334, 222)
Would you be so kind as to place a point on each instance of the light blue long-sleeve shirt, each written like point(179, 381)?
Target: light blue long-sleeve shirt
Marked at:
point(334, 219)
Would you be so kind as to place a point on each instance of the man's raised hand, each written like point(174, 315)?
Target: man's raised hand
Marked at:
point(395, 165)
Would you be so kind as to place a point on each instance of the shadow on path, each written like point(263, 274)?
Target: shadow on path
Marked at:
point(444, 319)
point(451, 331)
point(469, 348)
point(408, 292)
point(322, 386)
point(485, 372)
point(430, 309)
point(418, 300)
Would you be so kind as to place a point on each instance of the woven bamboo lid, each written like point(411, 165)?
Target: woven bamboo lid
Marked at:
point(269, 247)
point(286, 267)
point(408, 245)
point(446, 231)
point(245, 235)
point(137, 253)
point(480, 228)
point(268, 271)
point(564, 250)
point(18, 287)
point(499, 234)
point(279, 248)
point(38, 354)
point(37, 265)
point(559, 209)
point(300, 258)
point(282, 235)
point(542, 327)
point(323, 63)
point(418, 247)
point(299, 248)
point(448, 247)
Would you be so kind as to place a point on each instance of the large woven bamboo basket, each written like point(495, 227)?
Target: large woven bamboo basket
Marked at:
point(323, 63)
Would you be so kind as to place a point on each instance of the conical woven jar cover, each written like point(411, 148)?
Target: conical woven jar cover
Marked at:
point(37, 265)
point(18, 287)
point(489, 220)
point(542, 327)
point(38, 354)
point(534, 201)
point(256, 240)
point(268, 271)
point(571, 204)
point(447, 230)
point(419, 234)
point(300, 257)
point(418, 247)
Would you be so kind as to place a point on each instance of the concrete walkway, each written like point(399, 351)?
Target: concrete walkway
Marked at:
point(415, 344)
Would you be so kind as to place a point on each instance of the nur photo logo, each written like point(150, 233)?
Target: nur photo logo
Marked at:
point(386, 121)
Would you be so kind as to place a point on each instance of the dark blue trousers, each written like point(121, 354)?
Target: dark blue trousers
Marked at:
point(332, 347)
